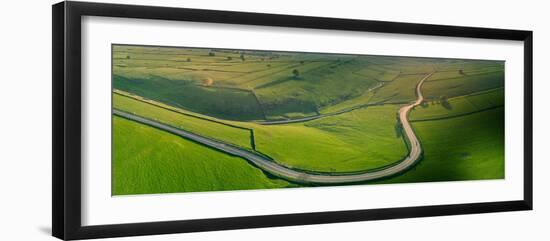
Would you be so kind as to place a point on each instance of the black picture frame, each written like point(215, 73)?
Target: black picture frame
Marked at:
point(66, 75)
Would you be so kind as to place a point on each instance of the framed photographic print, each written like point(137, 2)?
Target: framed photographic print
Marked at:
point(170, 120)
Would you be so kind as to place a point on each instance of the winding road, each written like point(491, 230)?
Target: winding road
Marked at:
point(295, 175)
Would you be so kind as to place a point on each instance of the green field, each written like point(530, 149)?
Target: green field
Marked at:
point(202, 99)
point(262, 86)
point(460, 105)
point(147, 160)
point(400, 90)
point(237, 136)
point(356, 101)
point(326, 114)
point(463, 85)
point(354, 141)
point(477, 152)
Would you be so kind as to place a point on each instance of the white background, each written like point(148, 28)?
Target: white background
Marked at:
point(100, 208)
point(25, 126)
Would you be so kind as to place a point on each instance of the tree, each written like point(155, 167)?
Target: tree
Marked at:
point(211, 54)
point(188, 59)
point(296, 73)
point(242, 56)
point(229, 58)
point(127, 56)
point(424, 104)
point(444, 100)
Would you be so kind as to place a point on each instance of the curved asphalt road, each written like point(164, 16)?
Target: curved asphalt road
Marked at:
point(294, 175)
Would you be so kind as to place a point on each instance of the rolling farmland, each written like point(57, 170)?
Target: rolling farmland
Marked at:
point(152, 161)
point(461, 105)
point(477, 153)
point(315, 114)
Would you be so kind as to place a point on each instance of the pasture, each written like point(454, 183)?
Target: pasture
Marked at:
point(199, 125)
point(460, 105)
point(469, 147)
point(248, 85)
point(147, 160)
point(345, 107)
point(400, 90)
point(359, 140)
point(463, 85)
point(217, 102)
point(355, 141)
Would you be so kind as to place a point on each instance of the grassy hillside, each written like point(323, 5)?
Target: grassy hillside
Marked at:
point(463, 148)
point(147, 160)
point(359, 140)
point(463, 85)
point(254, 85)
point(459, 105)
point(356, 101)
point(400, 90)
point(236, 136)
point(225, 94)
point(224, 103)
point(354, 141)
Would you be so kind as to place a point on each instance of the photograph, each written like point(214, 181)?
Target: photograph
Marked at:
point(282, 120)
point(194, 119)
